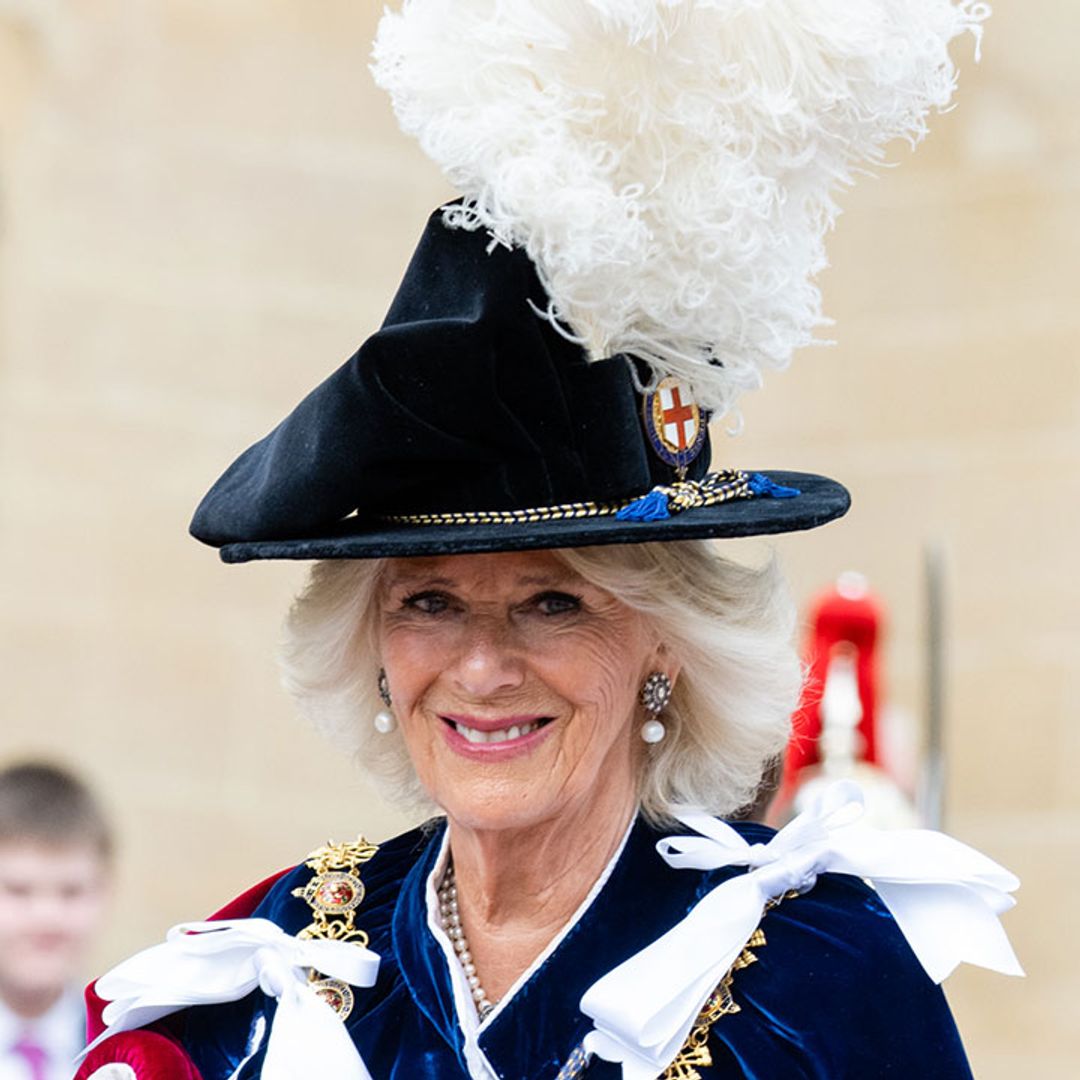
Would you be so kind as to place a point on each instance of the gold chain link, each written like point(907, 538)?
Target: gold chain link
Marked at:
point(721, 1003)
point(334, 894)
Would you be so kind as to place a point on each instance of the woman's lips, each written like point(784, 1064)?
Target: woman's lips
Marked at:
point(491, 739)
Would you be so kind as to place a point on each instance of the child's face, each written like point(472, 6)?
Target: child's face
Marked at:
point(51, 903)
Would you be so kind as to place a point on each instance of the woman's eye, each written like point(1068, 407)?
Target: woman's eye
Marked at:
point(557, 603)
point(430, 603)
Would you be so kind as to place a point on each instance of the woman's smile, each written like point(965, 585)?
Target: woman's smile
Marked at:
point(495, 739)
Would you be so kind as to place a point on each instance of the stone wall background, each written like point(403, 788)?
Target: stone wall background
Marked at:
point(204, 207)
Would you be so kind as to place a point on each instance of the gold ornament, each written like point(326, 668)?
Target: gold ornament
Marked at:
point(334, 894)
point(695, 1050)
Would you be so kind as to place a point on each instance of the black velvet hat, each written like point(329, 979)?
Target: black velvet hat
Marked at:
point(469, 423)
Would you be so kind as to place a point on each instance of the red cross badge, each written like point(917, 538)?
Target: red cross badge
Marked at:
point(674, 424)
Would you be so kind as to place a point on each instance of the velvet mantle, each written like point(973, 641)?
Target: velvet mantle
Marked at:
point(836, 993)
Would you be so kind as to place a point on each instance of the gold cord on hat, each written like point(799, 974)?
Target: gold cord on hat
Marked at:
point(660, 503)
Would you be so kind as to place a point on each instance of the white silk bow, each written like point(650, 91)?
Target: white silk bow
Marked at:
point(212, 962)
point(944, 896)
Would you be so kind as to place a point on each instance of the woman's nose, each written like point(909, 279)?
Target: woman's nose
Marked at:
point(490, 662)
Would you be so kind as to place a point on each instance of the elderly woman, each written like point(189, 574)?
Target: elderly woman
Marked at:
point(562, 708)
point(517, 620)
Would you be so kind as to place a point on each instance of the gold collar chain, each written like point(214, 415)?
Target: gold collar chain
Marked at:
point(334, 894)
point(695, 1051)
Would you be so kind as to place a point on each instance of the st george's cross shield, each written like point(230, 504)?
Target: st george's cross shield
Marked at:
point(674, 424)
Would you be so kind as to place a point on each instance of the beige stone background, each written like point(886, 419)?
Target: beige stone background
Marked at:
point(205, 206)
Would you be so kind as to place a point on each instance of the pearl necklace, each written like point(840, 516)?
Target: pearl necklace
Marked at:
point(451, 921)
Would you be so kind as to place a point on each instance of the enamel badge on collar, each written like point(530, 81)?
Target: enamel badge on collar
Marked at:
point(674, 424)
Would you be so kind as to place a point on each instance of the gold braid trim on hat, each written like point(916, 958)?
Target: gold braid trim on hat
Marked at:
point(334, 894)
point(710, 490)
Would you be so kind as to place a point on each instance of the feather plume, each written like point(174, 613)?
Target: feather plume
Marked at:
point(670, 166)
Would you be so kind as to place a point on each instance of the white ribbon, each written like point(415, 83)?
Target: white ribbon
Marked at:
point(212, 962)
point(944, 896)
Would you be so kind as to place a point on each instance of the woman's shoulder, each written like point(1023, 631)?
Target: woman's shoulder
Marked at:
point(829, 980)
point(339, 892)
point(837, 923)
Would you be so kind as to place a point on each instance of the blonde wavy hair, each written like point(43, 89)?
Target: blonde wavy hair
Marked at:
point(729, 626)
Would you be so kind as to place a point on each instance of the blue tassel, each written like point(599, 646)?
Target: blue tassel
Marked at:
point(760, 485)
point(651, 507)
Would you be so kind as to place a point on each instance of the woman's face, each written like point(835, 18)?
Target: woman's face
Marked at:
point(515, 683)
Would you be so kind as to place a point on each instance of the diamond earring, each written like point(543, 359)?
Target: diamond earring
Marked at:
point(385, 721)
point(655, 694)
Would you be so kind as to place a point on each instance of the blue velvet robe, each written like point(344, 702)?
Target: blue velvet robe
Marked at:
point(836, 993)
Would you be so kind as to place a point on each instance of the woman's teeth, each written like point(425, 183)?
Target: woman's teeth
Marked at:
point(502, 735)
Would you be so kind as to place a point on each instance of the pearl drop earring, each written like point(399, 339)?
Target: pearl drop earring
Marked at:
point(655, 694)
point(385, 721)
point(653, 731)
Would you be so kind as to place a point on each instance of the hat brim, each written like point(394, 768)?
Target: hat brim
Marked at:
point(820, 501)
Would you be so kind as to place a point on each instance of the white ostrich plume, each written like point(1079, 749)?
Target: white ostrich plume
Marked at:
point(670, 166)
